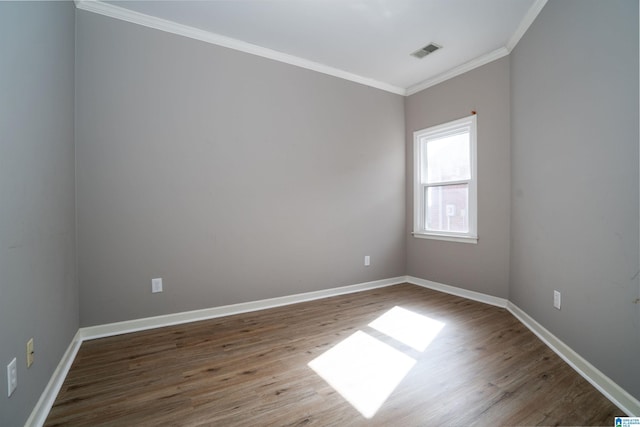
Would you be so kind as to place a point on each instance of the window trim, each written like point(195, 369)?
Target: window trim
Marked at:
point(442, 130)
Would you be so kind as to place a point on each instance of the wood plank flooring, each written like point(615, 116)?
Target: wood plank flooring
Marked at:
point(484, 368)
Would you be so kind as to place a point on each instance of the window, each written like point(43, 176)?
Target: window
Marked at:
point(445, 181)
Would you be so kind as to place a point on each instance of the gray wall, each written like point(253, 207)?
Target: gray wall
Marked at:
point(38, 289)
point(575, 180)
point(232, 177)
point(236, 178)
point(483, 267)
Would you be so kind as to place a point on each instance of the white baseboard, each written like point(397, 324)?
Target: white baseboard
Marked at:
point(464, 293)
point(41, 410)
point(43, 406)
point(615, 393)
point(110, 329)
point(605, 385)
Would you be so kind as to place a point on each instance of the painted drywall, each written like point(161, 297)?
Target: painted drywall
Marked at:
point(234, 178)
point(38, 288)
point(574, 98)
point(481, 267)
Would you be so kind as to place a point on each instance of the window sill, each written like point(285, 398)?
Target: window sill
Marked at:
point(460, 239)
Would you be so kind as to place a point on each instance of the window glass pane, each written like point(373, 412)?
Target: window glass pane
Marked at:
point(448, 158)
point(447, 208)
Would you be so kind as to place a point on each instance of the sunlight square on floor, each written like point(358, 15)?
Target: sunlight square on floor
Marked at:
point(413, 329)
point(364, 370)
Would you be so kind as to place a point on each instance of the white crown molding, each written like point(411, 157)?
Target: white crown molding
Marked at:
point(117, 12)
point(461, 69)
point(526, 22)
point(123, 14)
point(616, 394)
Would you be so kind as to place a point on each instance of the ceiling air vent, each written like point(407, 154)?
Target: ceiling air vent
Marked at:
point(422, 52)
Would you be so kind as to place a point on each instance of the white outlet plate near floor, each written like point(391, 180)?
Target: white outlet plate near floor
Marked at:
point(12, 377)
point(557, 299)
point(156, 285)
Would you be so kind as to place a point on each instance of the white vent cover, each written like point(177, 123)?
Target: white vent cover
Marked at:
point(424, 51)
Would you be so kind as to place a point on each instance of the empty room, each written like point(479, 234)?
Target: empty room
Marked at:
point(319, 212)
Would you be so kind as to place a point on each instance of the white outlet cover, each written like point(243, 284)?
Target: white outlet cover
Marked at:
point(12, 377)
point(367, 260)
point(156, 285)
point(557, 299)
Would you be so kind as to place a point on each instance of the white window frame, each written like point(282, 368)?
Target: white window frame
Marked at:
point(420, 139)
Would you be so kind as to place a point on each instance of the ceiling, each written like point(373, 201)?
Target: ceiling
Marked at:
point(367, 41)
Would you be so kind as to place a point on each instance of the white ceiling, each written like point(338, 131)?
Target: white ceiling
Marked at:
point(368, 41)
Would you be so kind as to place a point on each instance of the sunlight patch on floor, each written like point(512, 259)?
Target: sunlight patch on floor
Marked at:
point(364, 370)
point(413, 329)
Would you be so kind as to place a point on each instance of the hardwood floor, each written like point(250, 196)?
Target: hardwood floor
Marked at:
point(483, 368)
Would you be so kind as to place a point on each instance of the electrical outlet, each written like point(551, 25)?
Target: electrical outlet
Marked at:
point(12, 377)
point(156, 285)
point(367, 260)
point(29, 353)
point(557, 299)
